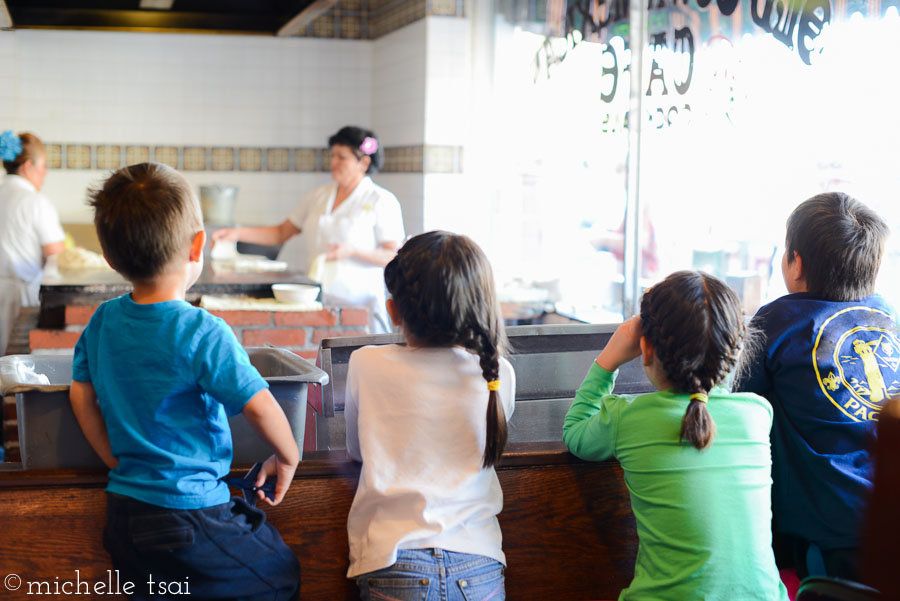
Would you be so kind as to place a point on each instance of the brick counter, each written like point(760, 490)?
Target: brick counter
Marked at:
point(298, 331)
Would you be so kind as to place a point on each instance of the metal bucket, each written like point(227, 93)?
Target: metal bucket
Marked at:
point(217, 203)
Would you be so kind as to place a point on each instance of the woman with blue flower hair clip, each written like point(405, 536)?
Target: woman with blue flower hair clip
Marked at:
point(30, 232)
point(351, 228)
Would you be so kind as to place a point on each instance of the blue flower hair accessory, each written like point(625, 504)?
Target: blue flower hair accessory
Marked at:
point(10, 146)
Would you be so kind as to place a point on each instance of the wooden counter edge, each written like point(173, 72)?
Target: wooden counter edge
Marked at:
point(315, 464)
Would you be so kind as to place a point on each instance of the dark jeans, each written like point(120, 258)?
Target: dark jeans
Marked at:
point(223, 552)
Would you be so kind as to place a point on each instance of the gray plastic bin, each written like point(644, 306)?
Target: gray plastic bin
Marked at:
point(49, 435)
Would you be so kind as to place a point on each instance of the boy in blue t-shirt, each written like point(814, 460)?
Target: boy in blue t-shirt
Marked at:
point(154, 379)
point(830, 363)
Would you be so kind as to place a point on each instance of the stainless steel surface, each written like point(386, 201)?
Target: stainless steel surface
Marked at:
point(533, 421)
point(50, 438)
point(550, 362)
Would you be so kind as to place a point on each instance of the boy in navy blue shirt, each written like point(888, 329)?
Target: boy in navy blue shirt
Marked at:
point(830, 363)
point(154, 379)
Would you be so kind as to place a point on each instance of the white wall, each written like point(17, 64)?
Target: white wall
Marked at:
point(410, 86)
point(177, 89)
point(398, 110)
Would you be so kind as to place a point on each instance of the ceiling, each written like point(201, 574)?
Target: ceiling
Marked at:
point(282, 17)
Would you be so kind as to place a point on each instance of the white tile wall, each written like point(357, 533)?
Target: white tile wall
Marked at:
point(409, 190)
point(136, 88)
point(398, 85)
point(448, 81)
point(130, 88)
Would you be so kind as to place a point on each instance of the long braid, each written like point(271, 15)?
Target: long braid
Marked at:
point(443, 288)
point(695, 324)
point(496, 431)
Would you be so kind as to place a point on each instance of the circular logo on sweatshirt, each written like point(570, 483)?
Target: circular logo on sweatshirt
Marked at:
point(856, 357)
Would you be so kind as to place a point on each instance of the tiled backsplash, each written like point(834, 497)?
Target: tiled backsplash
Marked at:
point(371, 19)
point(405, 159)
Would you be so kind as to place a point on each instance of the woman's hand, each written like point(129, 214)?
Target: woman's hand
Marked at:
point(339, 251)
point(623, 346)
point(226, 234)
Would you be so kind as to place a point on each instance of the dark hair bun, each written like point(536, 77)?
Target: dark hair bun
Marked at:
point(354, 137)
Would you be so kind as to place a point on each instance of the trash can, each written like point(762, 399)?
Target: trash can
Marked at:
point(49, 435)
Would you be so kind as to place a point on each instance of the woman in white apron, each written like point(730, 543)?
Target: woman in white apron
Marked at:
point(29, 227)
point(351, 228)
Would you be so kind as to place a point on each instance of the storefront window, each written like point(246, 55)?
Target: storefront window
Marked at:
point(748, 107)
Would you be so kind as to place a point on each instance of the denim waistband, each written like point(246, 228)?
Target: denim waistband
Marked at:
point(434, 560)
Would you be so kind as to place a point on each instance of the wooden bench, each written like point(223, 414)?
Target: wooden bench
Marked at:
point(568, 530)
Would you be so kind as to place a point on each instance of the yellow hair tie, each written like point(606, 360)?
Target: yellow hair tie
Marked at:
point(494, 385)
point(699, 396)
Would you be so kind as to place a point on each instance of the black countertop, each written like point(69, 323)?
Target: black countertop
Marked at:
point(87, 287)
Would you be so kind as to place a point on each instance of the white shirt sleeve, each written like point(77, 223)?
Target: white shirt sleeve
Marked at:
point(507, 387)
point(46, 222)
point(301, 211)
point(351, 412)
point(388, 219)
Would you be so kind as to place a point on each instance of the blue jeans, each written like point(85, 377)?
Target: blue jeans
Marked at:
point(228, 551)
point(435, 575)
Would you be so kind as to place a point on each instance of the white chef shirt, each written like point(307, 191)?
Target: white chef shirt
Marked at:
point(28, 221)
point(367, 218)
point(416, 419)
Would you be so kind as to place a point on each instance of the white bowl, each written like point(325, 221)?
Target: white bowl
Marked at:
point(295, 293)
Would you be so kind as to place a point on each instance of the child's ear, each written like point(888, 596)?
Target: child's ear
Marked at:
point(646, 352)
point(794, 277)
point(393, 312)
point(197, 244)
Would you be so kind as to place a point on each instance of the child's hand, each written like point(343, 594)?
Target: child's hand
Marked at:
point(623, 346)
point(284, 474)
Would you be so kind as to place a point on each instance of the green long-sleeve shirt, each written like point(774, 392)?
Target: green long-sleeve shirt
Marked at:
point(703, 517)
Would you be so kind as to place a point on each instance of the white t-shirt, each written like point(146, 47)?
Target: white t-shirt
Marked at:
point(367, 218)
point(416, 420)
point(28, 221)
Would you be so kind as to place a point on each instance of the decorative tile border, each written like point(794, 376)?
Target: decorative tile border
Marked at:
point(371, 19)
point(167, 155)
point(398, 159)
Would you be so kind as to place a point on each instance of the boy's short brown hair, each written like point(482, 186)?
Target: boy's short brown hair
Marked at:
point(145, 214)
point(841, 242)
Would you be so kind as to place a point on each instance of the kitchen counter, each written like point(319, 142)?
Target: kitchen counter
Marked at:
point(95, 286)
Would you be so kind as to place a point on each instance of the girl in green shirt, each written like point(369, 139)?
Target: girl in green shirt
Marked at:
point(696, 457)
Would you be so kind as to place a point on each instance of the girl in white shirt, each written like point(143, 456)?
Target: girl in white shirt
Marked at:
point(428, 422)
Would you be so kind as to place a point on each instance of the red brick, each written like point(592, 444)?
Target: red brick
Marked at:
point(325, 317)
point(245, 318)
point(354, 317)
point(12, 451)
point(41, 339)
point(319, 335)
point(79, 315)
point(311, 355)
point(10, 430)
point(9, 407)
point(283, 337)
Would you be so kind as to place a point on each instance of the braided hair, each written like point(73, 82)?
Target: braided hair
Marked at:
point(695, 324)
point(443, 288)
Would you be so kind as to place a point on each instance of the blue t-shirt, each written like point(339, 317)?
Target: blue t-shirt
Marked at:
point(165, 375)
point(827, 369)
